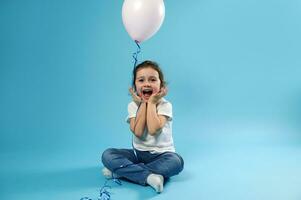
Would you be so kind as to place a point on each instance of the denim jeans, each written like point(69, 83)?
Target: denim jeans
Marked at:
point(137, 166)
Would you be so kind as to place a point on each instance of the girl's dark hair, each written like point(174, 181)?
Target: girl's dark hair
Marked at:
point(152, 65)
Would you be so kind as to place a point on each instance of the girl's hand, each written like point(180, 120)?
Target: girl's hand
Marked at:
point(135, 97)
point(156, 98)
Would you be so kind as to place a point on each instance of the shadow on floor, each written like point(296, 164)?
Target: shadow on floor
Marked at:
point(64, 180)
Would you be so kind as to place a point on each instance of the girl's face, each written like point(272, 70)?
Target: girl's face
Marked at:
point(147, 82)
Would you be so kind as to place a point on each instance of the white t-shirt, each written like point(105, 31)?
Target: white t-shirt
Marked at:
point(160, 142)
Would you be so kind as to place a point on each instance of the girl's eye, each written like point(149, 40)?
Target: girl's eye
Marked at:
point(141, 80)
point(153, 80)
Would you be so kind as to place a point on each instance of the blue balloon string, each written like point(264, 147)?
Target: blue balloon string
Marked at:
point(135, 54)
point(104, 193)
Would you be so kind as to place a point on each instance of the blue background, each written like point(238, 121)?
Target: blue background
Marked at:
point(233, 70)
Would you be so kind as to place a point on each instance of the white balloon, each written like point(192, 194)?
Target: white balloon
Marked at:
point(142, 18)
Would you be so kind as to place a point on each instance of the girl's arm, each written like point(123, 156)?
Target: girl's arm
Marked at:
point(138, 123)
point(154, 121)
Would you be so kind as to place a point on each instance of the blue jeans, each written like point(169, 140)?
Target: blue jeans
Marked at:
point(136, 167)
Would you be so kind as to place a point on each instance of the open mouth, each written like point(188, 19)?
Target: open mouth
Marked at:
point(147, 92)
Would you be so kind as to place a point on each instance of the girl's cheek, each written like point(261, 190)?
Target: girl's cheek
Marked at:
point(155, 90)
point(139, 92)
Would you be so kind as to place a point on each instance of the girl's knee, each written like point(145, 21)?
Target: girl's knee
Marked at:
point(176, 164)
point(180, 162)
point(106, 155)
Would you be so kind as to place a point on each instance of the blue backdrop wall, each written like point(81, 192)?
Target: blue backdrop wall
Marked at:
point(233, 72)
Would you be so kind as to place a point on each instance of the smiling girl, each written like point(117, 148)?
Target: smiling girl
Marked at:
point(153, 158)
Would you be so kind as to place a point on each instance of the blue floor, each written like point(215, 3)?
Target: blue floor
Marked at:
point(227, 160)
point(233, 73)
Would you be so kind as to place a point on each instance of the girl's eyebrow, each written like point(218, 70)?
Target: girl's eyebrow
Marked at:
point(152, 77)
point(144, 77)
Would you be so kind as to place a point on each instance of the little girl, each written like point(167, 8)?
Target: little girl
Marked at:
point(152, 159)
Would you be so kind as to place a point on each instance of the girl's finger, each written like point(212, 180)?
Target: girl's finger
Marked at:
point(131, 91)
point(162, 92)
point(158, 94)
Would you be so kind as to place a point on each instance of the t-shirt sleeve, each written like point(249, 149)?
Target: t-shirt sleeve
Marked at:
point(165, 109)
point(132, 110)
